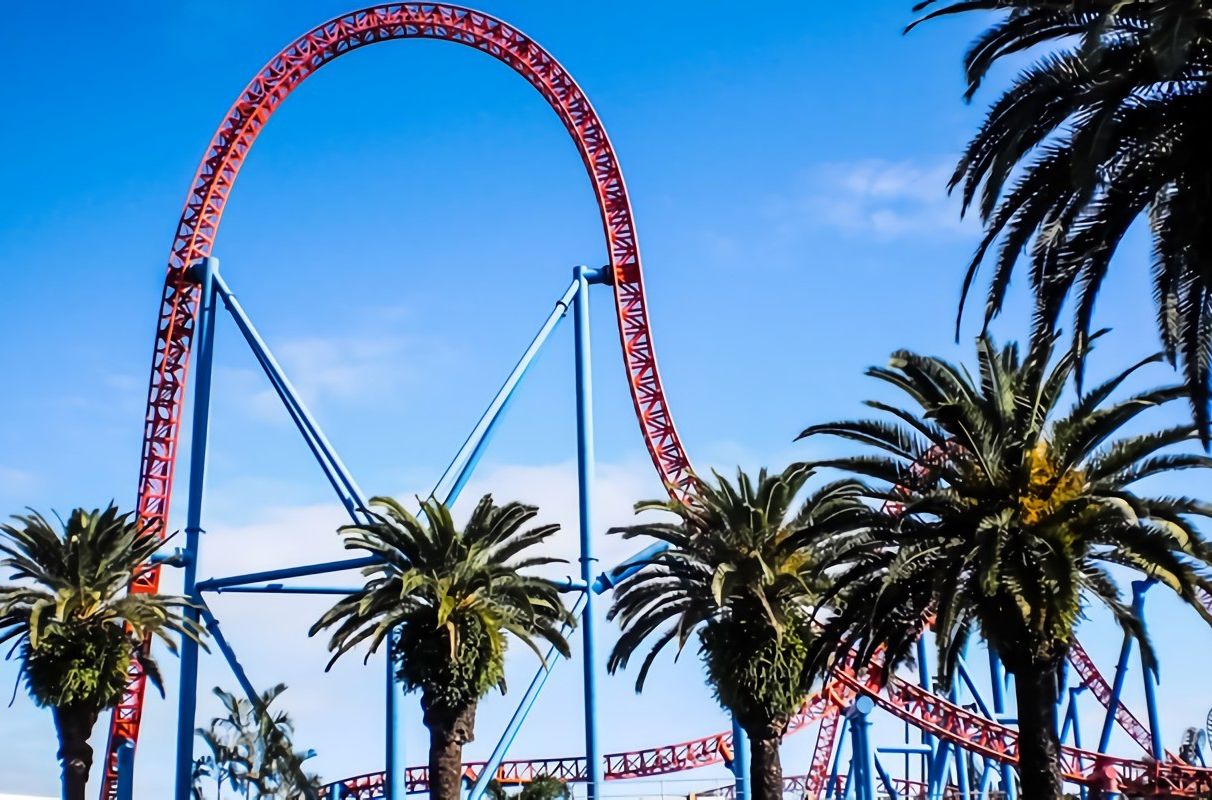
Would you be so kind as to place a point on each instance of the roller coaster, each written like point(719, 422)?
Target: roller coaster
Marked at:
point(963, 742)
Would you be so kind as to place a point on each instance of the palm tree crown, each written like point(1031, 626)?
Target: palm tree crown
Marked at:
point(452, 596)
point(741, 570)
point(1112, 124)
point(1008, 517)
point(74, 626)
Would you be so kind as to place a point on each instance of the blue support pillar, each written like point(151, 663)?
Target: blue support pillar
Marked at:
point(126, 771)
point(925, 681)
point(740, 760)
point(204, 340)
point(997, 681)
point(1148, 673)
point(835, 770)
point(940, 771)
point(862, 759)
point(397, 763)
point(1117, 689)
point(886, 779)
point(585, 469)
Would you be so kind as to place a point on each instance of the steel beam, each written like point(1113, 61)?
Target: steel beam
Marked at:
point(205, 273)
point(583, 277)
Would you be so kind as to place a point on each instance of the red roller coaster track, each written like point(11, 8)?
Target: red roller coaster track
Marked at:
point(217, 173)
point(196, 232)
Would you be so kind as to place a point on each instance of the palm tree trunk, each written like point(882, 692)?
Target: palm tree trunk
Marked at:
point(1038, 743)
point(765, 769)
point(765, 764)
point(448, 732)
point(74, 725)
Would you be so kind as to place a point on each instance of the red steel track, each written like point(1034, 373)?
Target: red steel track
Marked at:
point(195, 236)
point(213, 183)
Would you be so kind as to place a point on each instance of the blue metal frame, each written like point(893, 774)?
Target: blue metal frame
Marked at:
point(215, 290)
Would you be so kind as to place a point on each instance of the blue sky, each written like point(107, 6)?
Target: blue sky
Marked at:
point(403, 225)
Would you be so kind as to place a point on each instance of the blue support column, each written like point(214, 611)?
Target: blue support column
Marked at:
point(397, 762)
point(940, 771)
point(585, 469)
point(1117, 689)
point(1148, 674)
point(862, 760)
point(997, 681)
point(836, 769)
point(126, 771)
point(740, 760)
point(204, 341)
point(924, 680)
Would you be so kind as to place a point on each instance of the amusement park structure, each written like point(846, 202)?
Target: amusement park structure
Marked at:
point(961, 743)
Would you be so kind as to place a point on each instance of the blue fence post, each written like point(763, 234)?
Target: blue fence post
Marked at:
point(585, 463)
point(204, 340)
point(740, 760)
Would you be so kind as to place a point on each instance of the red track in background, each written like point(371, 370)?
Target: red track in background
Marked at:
point(195, 237)
point(217, 173)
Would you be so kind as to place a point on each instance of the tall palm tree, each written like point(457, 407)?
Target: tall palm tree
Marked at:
point(1009, 514)
point(741, 571)
point(1109, 124)
point(75, 629)
point(453, 596)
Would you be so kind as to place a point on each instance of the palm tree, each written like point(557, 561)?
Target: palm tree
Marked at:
point(741, 570)
point(75, 629)
point(252, 750)
point(1108, 125)
point(1007, 516)
point(452, 595)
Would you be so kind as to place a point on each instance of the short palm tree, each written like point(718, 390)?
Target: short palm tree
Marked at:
point(1108, 125)
point(741, 571)
point(252, 751)
point(75, 629)
point(1006, 515)
point(453, 596)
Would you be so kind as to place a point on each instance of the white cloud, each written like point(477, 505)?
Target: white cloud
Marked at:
point(885, 199)
point(347, 369)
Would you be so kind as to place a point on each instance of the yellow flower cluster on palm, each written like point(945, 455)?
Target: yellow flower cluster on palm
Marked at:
point(1046, 490)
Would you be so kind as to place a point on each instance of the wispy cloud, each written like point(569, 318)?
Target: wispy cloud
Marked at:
point(342, 369)
point(881, 198)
